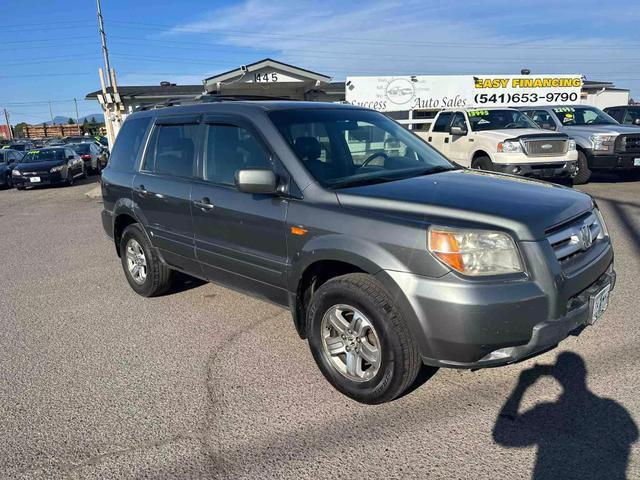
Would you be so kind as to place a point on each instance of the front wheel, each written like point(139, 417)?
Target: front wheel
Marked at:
point(69, 178)
point(483, 163)
point(583, 174)
point(360, 341)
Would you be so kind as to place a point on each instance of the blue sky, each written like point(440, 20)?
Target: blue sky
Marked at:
point(51, 50)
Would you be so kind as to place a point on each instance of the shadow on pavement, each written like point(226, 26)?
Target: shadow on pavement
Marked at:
point(580, 435)
point(183, 282)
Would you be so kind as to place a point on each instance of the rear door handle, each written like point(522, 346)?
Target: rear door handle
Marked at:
point(429, 139)
point(204, 204)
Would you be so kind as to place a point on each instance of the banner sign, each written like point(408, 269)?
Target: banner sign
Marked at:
point(419, 92)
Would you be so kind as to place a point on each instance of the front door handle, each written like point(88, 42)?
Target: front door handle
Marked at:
point(204, 204)
point(446, 140)
point(141, 190)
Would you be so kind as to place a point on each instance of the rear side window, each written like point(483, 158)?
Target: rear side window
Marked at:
point(172, 150)
point(442, 123)
point(128, 143)
point(230, 148)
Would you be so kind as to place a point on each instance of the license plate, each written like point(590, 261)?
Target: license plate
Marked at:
point(636, 162)
point(34, 179)
point(599, 303)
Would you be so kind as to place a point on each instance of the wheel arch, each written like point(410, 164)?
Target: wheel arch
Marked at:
point(478, 154)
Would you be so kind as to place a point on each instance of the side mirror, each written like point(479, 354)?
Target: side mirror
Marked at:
point(636, 121)
point(458, 131)
point(256, 180)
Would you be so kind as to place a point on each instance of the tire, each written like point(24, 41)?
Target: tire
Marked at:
point(70, 179)
point(583, 174)
point(84, 173)
point(157, 277)
point(20, 188)
point(398, 358)
point(484, 163)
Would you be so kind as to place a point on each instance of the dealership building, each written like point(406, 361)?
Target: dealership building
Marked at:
point(397, 96)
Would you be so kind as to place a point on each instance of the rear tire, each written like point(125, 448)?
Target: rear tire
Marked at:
point(154, 276)
point(373, 329)
point(484, 163)
point(583, 174)
point(70, 179)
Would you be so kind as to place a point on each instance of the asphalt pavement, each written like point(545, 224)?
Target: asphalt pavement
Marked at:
point(97, 382)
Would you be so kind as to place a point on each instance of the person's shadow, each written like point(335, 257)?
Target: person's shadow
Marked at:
point(580, 436)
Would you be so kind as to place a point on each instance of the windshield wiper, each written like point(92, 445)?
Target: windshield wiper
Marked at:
point(356, 182)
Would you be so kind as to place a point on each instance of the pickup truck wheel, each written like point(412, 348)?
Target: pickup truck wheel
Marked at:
point(583, 174)
point(483, 163)
point(146, 274)
point(360, 341)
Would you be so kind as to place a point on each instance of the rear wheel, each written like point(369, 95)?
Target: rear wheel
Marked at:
point(360, 340)
point(146, 274)
point(583, 174)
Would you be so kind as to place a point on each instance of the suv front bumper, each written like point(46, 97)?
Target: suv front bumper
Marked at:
point(541, 170)
point(613, 161)
point(463, 323)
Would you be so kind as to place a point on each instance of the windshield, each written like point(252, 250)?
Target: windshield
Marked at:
point(498, 120)
point(43, 156)
point(19, 147)
point(569, 116)
point(344, 147)
point(81, 147)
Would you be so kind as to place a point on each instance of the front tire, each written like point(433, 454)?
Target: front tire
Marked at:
point(145, 272)
point(583, 174)
point(69, 179)
point(360, 341)
point(484, 163)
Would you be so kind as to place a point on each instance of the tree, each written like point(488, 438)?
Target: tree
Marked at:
point(19, 129)
point(71, 121)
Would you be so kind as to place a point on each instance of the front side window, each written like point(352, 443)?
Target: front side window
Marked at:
point(128, 143)
point(365, 146)
point(482, 120)
point(458, 120)
point(572, 116)
point(230, 148)
point(632, 117)
point(172, 150)
point(442, 122)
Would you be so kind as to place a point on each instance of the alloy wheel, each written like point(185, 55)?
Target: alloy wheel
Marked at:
point(136, 261)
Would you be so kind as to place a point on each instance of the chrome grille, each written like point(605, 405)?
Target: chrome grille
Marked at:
point(545, 147)
point(576, 237)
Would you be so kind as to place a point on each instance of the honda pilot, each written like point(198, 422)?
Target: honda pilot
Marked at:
point(389, 256)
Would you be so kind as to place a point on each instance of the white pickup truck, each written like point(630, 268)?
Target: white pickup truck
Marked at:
point(502, 140)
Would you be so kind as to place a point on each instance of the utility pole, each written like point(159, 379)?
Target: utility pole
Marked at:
point(103, 38)
point(6, 118)
point(77, 116)
point(51, 112)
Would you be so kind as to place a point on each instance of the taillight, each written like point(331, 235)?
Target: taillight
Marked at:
point(85, 157)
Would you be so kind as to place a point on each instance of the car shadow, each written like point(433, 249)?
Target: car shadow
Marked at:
point(183, 282)
point(580, 435)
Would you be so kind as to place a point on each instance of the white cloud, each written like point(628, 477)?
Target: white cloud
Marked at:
point(437, 37)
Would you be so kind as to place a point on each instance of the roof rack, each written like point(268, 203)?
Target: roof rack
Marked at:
point(208, 98)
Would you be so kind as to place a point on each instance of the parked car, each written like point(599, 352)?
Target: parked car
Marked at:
point(602, 143)
point(388, 260)
point(48, 166)
point(501, 140)
point(8, 159)
point(625, 114)
point(21, 146)
point(94, 157)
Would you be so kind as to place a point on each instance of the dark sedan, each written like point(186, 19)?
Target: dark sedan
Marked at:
point(94, 157)
point(48, 166)
point(8, 160)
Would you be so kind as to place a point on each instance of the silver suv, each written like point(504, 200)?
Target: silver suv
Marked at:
point(601, 141)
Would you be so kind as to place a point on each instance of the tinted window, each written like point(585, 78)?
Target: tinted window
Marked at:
point(442, 122)
point(458, 120)
point(616, 113)
point(81, 148)
point(542, 118)
point(172, 150)
point(481, 120)
point(128, 143)
point(230, 148)
point(632, 116)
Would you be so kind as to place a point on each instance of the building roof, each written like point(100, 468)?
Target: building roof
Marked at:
point(142, 91)
point(266, 62)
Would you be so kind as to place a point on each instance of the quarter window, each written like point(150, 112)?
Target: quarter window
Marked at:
point(128, 143)
point(172, 150)
point(230, 148)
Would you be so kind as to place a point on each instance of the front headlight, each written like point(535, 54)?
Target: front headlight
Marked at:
point(604, 231)
point(58, 169)
point(571, 144)
point(509, 147)
point(15, 172)
point(475, 252)
point(602, 142)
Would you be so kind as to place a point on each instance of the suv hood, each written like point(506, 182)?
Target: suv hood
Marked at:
point(474, 198)
point(500, 135)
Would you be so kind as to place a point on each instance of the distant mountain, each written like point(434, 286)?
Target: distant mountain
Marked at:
point(59, 119)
